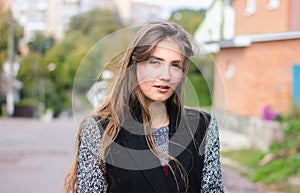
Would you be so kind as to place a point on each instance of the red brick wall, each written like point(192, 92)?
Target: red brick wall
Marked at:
point(295, 15)
point(233, 86)
point(263, 75)
point(263, 20)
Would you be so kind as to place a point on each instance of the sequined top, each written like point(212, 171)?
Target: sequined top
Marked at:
point(161, 138)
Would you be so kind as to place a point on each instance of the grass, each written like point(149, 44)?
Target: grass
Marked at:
point(277, 172)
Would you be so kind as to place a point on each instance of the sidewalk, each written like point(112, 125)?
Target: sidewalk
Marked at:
point(35, 155)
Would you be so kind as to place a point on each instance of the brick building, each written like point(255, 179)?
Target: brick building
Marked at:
point(257, 66)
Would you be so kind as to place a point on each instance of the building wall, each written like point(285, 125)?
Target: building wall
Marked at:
point(54, 19)
point(262, 76)
point(264, 19)
point(295, 15)
point(229, 87)
point(5, 3)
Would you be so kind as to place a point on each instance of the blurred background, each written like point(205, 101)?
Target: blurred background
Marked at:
point(247, 73)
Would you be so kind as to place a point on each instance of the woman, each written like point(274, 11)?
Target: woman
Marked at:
point(142, 138)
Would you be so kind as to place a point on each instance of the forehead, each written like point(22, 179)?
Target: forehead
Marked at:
point(167, 47)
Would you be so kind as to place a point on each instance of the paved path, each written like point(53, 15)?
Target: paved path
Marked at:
point(35, 155)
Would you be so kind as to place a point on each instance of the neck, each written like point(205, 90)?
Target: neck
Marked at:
point(159, 115)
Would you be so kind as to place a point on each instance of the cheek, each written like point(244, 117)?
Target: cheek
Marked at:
point(145, 86)
point(144, 75)
point(177, 77)
point(140, 73)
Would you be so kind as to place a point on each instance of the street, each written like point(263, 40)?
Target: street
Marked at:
point(35, 156)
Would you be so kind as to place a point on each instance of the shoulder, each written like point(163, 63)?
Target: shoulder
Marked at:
point(199, 122)
point(193, 114)
point(90, 130)
point(195, 111)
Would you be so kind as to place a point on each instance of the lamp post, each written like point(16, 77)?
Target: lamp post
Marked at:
point(10, 45)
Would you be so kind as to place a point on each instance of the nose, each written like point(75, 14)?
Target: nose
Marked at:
point(165, 74)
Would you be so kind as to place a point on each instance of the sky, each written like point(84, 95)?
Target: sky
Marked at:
point(175, 4)
point(170, 5)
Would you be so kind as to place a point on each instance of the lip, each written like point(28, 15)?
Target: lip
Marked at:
point(162, 88)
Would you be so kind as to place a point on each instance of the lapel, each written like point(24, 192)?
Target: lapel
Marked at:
point(146, 162)
point(180, 140)
point(137, 156)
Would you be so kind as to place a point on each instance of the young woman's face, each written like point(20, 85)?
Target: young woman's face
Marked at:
point(160, 75)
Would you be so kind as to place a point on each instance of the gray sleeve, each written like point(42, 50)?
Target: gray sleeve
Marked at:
point(89, 176)
point(211, 175)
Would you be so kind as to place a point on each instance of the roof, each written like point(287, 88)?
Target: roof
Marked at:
point(247, 40)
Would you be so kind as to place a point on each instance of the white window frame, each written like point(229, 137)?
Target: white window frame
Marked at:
point(230, 70)
point(251, 7)
point(273, 4)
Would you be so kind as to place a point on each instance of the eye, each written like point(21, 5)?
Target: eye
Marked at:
point(177, 65)
point(153, 61)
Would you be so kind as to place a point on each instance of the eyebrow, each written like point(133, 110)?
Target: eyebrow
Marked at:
point(161, 59)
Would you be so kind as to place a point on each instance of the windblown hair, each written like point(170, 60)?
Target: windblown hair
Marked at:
point(126, 96)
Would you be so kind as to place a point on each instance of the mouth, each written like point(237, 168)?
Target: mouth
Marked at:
point(162, 86)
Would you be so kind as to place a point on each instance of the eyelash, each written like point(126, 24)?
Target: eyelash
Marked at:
point(154, 62)
point(176, 65)
point(157, 62)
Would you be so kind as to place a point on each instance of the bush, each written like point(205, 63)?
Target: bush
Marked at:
point(199, 85)
point(28, 102)
point(29, 108)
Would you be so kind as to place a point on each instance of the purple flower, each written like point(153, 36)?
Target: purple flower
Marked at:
point(268, 115)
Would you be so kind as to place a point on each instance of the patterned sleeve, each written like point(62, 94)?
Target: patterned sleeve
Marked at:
point(89, 176)
point(212, 177)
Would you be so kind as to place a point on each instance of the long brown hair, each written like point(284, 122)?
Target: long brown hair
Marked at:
point(125, 94)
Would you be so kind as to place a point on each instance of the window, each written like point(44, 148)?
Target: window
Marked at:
point(273, 4)
point(251, 7)
point(229, 70)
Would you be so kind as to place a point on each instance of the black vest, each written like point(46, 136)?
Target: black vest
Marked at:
point(132, 167)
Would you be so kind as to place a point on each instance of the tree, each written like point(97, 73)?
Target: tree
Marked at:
point(29, 74)
point(85, 30)
point(41, 43)
point(200, 75)
point(188, 19)
point(95, 22)
point(18, 34)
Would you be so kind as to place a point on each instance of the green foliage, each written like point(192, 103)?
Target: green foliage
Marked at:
point(18, 34)
point(28, 102)
point(55, 98)
point(200, 75)
point(41, 43)
point(277, 171)
point(247, 157)
point(197, 94)
point(98, 22)
point(294, 127)
point(29, 75)
point(188, 19)
point(66, 56)
point(292, 138)
point(84, 32)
